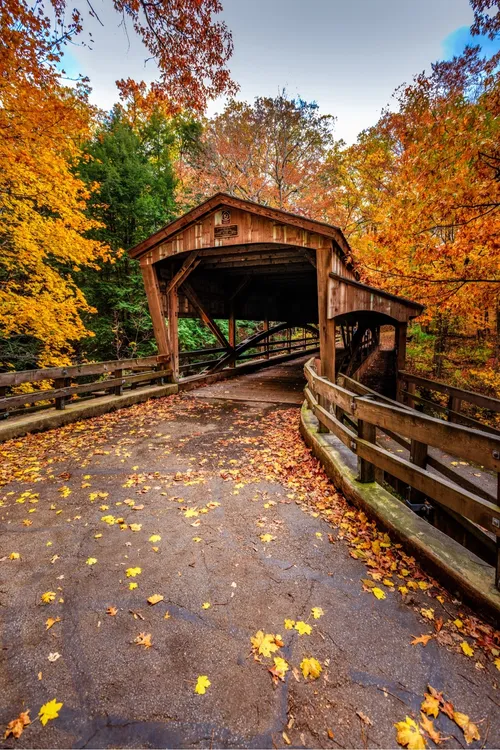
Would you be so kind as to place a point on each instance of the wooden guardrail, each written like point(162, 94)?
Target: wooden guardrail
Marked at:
point(152, 369)
point(408, 385)
point(365, 414)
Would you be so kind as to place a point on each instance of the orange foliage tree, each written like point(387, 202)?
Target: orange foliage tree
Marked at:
point(43, 225)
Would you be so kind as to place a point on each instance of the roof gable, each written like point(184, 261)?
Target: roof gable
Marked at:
point(221, 200)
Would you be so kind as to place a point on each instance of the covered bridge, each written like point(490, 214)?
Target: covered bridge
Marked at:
point(234, 259)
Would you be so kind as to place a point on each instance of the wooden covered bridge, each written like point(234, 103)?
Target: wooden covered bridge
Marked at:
point(234, 260)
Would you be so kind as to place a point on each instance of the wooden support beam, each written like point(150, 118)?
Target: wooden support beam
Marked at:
point(187, 267)
point(173, 330)
point(366, 470)
point(232, 329)
point(324, 260)
point(206, 318)
point(155, 308)
point(401, 331)
point(266, 328)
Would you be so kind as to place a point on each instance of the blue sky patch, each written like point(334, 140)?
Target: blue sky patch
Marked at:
point(455, 43)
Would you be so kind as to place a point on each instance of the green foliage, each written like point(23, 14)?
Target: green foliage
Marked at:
point(135, 171)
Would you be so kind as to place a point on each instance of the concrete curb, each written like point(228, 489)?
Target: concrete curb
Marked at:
point(51, 419)
point(464, 574)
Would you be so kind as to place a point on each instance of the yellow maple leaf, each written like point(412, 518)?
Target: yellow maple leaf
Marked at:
point(430, 705)
point(427, 613)
point(264, 643)
point(311, 668)
point(197, 539)
point(133, 585)
point(468, 651)
point(91, 561)
point(110, 520)
point(133, 572)
point(154, 538)
point(497, 663)
point(49, 711)
point(266, 538)
point(409, 735)
point(48, 597)
point(470, 730)
point(135, 526)
point(202, 683)
point(458, 623)
point(289, 624)
point(378, 593)
point(206, 605)
point(155, 598)
point(303, 628)
point(16, 726)
point(317, 612)
point(14, 556)
point(190, 513)
point(280, 667)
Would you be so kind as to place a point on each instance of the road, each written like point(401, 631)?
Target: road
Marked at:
point(213, 496)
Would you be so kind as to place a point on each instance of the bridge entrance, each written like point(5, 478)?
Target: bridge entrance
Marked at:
point(230, 260)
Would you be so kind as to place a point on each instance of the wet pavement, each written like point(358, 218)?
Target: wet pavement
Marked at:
point(187, 486)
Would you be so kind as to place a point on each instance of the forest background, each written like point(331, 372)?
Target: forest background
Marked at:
point(417, 195)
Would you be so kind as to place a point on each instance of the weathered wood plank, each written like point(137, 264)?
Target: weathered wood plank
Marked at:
point(11, 379)
point(486, 402)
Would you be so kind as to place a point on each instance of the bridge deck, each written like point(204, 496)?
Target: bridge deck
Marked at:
point(177, 454)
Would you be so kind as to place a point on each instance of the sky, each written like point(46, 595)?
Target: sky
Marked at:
point(347, 55)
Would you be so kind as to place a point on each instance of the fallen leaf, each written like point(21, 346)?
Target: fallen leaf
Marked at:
point(468, 651)
point(286, 738)
point(135, 526)
point(137, 507)
point(289, 624)
point(202, 683)
point(428, 726)
point(16, 726)
point(133, 572)
point(155, 598)
point(267, 538)
point(54, 656)
point(264, 643)
point(49, 711)
point(427, 613)
point(167, 616)
point(133, 585)
point(317, 612)
point(279, 669)
point(378, 592)
point(154, 538)
point(112, 611)
point(364, 718)
point(48, 597)
point(206, 605)
point(143, 639)
point(303, 628)
point(51, 621)
point(423, 639)
point(470, 730)
point(91, 561)
point(430, 705)
point(14, 556)
point(311, 668)
point(408, 735)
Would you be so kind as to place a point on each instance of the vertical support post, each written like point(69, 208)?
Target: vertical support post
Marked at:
point(401, 332)
point(497, 568)
point(118, 389)
point(454, 404)
point(366, 470)
point(61, 400)
point(418, 456)
point(324, 259)
point(155, 308)
point(232, 330)
point(266, 328)
point(411, 387)
point(173, 337)
point(289, 339)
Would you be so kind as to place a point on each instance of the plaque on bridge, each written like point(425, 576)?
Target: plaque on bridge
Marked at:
point(221, 232)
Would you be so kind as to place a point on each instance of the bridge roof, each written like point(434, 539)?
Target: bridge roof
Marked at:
point(219, 200)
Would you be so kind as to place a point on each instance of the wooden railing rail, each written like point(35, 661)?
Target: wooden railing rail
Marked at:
point(408, 383)
point(152, 369)
point(418, 432)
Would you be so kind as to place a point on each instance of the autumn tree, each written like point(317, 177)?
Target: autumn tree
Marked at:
point(45, 232)
point(270, 152)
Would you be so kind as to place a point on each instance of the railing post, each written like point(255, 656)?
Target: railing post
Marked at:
point(497, 568)
point(454, 404)
point(366, 470)
point(61, 400)
point(118, 389)
point(418, 456)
